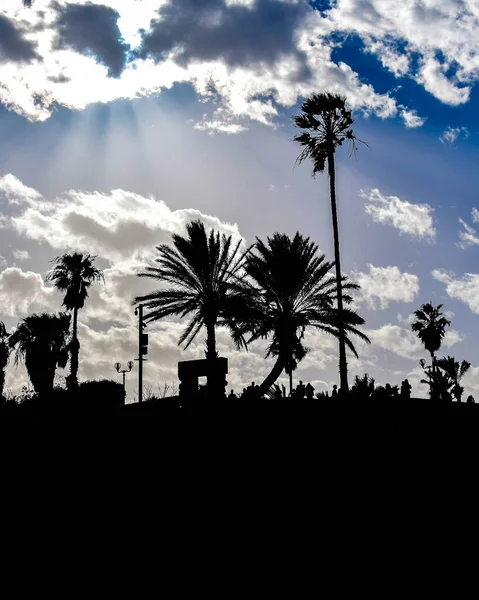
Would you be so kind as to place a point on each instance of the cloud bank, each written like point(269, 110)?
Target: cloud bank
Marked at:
point(252, 57)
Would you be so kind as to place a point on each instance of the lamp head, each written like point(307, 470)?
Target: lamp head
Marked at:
point(130, 365)
point(118, 366)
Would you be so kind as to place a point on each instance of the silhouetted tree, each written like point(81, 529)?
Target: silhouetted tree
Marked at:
point(327, 124)
point(455, 371)
point(203, 272)
point(41, 341)
point(73, 274)
point(438, 381)
point(291, 288)
point(363, 386)
point(276, 392)
point(4, 354)
point(430, 327)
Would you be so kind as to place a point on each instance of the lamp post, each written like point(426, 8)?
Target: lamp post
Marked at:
point(142, 349)
point(118, 368)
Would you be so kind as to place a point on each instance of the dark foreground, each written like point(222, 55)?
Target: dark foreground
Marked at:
point(174, 409)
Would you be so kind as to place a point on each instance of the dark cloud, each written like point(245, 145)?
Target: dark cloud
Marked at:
point(92, 29)
point(13, 46)
point(210, 30)
point(61, 78)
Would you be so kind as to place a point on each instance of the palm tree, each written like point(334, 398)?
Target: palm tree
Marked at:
point(291, 288)
point(203, 272)
point(4, 354)
point(73, 274)
point(430, 328)
point(455, 371)
point(327, 124)
point(41, 341)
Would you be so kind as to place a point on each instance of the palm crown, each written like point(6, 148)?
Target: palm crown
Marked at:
point(454, 371)
point(40, 340)
point(327, 122)
point(73, 274)
point(202, 271)
point(430, 326)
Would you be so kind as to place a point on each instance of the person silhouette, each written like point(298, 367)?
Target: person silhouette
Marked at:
point(406, 389)
point(232, 395)
point(334, 393)
point(309, 391)
point(470, 400)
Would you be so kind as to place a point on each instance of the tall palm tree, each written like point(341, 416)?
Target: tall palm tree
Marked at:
point(73, 274)
point(41, 341)
point(4, 354)
point(327, 124)
point(291, 288)
point(455, 371)
point(430, 327)
point(203, 272)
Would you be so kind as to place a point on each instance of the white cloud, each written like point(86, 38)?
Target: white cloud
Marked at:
point(468, 237)
point(431, 75)
point(16, 192)
point(23, 292)
point(397, 31)
point(120, 226)
point(383, 285)
point(404, 343)
point(398, 340)
point(213, 127)
point(413, 219)
point(248, 78)
point(411, 119)
point(389, 56)
point(451, 337)
point(21, 254)
point(226, 57)
point(451, 134)
point(464, 288)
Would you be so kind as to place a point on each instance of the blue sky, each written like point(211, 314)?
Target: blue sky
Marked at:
point(195, 121)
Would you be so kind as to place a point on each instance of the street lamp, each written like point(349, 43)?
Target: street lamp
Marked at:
point(130, 364)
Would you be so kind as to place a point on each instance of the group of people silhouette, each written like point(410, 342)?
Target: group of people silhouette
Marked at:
point(300, 392)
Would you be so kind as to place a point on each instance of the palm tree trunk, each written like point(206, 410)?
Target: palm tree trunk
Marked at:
point(2, 382)
point(343, 367)
point(215, 381)
point(72, 380)
point(272, 376)
point(434, 386)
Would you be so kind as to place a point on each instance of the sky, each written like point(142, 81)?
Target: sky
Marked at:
point(123, 120)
